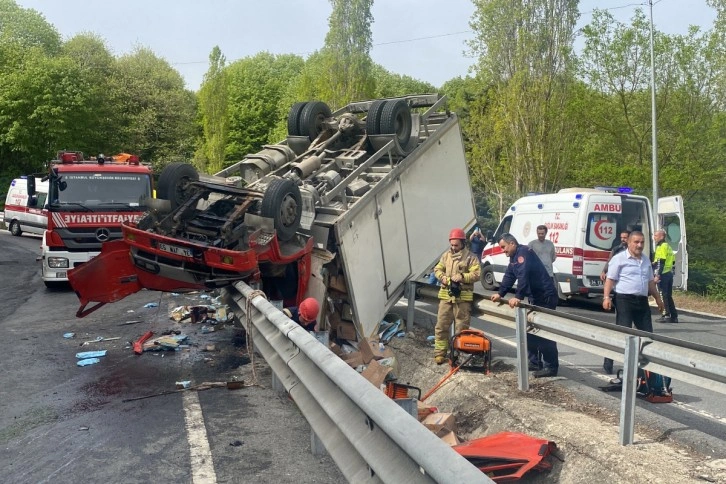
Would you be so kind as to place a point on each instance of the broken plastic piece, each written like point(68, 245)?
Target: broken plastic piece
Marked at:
point(87, 361)
point(90, 354)
point(69, 335)
point(151, 305)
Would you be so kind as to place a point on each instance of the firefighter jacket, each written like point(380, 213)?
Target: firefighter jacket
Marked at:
point(527, 270)
point(664, 258)
point(464, 263)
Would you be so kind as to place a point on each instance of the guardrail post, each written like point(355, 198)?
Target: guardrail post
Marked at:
point(411, 296)
point(520, 327)
point(316, 445)
point(627, 404)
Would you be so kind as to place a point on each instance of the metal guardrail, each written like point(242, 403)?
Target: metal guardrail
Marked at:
point(698, 364)
point(370, 437)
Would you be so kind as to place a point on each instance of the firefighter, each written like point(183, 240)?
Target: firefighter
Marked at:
point(527, 270)
point(306, 314)
point(457, 271)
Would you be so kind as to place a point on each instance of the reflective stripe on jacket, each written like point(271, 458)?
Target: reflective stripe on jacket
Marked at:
point(464, 263)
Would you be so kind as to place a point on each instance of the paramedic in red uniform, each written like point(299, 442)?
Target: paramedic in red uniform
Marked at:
point(526, 269)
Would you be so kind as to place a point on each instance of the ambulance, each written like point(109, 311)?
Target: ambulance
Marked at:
point(25, 207)
point(584, 224)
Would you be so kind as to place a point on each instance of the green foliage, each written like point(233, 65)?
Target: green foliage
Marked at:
point(257, 113)
point(213, 105)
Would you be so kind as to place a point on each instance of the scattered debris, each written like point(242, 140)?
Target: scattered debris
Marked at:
point(230, 385)
point(99, 339)
point(183, 385)
point(165, 342)
point(90, 354)
point(151, 305)
point(69, 335)
point(138, 344)
point(135, 321)
point(87, 361)
point(84, 428)
point(236, 443)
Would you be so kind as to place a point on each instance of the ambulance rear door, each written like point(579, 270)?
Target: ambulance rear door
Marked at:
point(671, 219)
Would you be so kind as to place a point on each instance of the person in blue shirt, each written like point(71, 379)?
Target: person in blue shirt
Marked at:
point(526, 269)
point(476, 242)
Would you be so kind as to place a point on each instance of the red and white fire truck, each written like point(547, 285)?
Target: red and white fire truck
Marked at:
point(87, 202)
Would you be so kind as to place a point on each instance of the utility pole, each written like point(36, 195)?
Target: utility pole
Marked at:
point(652, 109)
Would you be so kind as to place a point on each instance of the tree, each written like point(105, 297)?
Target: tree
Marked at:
point(257, 114)
point(520, 140)
point(213, 99)
point(341, 71)
point(157, 112)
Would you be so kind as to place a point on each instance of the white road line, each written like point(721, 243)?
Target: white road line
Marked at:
point(199, 450)
point(606, 378)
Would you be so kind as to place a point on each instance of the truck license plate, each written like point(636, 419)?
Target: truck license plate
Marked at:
point(173, 249)
point(595, 281)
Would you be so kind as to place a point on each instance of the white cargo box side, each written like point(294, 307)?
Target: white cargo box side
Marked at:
point(400, 227)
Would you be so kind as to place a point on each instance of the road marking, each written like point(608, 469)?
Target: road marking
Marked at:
point(589, 372)
point(199, 450)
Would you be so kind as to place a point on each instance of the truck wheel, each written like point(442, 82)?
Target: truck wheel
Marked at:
point(15, 228)
point(487, 278)
point(293, 119)
point(373, 119)
point(282, 203)
point(396, 119)
point(174, 181)
point(312, 117)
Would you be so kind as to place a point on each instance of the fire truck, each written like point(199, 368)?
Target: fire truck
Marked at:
point(87, 202)
point(347, 209)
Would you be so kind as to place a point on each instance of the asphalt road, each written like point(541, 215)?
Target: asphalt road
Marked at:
point(61, 423)
point(696, 418)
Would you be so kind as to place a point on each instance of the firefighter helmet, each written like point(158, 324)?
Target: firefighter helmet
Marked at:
point(308, 309)
point(457, 234)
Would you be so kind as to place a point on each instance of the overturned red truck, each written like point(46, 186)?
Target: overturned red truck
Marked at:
point(348, 208)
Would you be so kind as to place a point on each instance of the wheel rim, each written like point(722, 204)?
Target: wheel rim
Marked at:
point(288, 211)
point(489, 278)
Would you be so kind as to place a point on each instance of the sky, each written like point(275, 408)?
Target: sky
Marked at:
point(424, 39)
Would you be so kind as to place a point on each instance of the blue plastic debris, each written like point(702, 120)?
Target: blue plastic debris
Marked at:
point(205, 296)
point(69, 335)
point(401, 334)
point(151, 305)
point(87, 361)
point(390, 325)
point(431, 338)
point(174, 294)
point(90, 354)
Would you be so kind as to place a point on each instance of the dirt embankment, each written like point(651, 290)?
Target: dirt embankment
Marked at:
point(587, 436)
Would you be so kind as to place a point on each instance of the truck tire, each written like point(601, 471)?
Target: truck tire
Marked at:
point(174, 181)
point(396, 119)
point(487, 278)
point(293, 119)
point(373, 119)
point(311, 119)
point(283, 203)
point(15, 228)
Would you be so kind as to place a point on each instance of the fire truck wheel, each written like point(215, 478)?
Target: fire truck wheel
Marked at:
point(312, 117)
point(282, 203)
point(373, 119)
point(396, 119)
point(293, 119)
point(174, 181)
point(487, 278)
point(15, 228)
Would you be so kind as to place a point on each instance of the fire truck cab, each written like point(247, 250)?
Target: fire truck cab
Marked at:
point(87, 202)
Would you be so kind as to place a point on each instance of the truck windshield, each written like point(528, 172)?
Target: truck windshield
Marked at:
point(97, 189)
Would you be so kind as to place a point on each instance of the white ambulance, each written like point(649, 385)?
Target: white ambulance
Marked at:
point(584, 224)
point(24, 211)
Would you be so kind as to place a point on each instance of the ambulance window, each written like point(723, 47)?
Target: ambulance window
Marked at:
point(672, 226)
point(503, 227)
point(602, 230)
